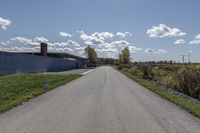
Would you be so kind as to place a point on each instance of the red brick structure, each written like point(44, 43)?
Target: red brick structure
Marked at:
point(43, 49)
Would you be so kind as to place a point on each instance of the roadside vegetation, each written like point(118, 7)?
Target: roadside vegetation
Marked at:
point(184, 78)
point(18, 88)
point(91, 55)
point(94, 60)
point(180, 77)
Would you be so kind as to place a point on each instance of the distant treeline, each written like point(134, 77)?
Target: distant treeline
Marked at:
point(107, 61)
point(162, 62)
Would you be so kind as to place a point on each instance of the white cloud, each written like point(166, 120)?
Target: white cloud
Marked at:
point(21, 39)
point(4, 44)
point(196, 39)
point(4, 23)
point(149, 50)
point(80, 31)
point(36, 41)
point(195, 42)
point(33, 45)
point(159, 51)
point(121, 43)
point(80, 48)
point(133, 49)
point(82, 53)
point(103, 35)
point(180, 41)
point(95, 38)
point(107, 52)
point(40, 40)
point(120, 34)
point(24, 40)
point(106, 45)
point(20, 49)
point(65, 34)
point(90, 39)
point(72, 43)
point(164, 31)
point(113, 50)
point(69, 49)
point(68, 43)
point(60, 44)
point(101, 38)
point(128, 33)
point(58, 49)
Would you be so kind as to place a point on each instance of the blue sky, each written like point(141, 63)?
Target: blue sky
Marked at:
point(148, 28)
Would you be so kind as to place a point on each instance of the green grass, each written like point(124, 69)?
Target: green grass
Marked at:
point(17, 88)
point(191, 106)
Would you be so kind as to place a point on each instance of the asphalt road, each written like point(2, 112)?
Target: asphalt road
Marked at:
point(102, 101)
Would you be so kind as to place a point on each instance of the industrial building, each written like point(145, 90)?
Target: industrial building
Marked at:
point(26, 62)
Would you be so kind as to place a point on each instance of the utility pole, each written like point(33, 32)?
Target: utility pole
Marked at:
point(183, 58)
point(189, 56)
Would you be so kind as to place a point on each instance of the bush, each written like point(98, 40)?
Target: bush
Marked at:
point(136, 71)
point(125, 69)
point(147, 72)
point(121, 66)
point(188, 81)
point(184, 78)
point(198, 67)
point(169, 81)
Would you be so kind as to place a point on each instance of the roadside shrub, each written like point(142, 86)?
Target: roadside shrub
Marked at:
point(136, 71)
point(169, 81)
point(198, 67)
point(159, 72)
point(147, 72)
point(126, 69)
point(184, 78)
point(121, 66)
point(188, 81)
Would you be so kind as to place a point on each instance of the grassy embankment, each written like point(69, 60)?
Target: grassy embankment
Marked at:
point(18, 88)
point(190, 106)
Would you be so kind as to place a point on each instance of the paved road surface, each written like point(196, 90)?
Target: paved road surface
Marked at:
point(103, 101)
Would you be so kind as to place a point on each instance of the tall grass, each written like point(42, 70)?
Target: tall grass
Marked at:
point(183, 78)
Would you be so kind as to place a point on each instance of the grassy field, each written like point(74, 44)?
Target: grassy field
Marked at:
point(190, 106)
point(15, 89)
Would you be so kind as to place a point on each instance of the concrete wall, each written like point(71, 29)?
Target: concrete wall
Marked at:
point(24, 63)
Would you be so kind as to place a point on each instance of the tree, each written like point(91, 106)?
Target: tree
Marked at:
point(124, 56)
point(121, 60)
point(91, 54)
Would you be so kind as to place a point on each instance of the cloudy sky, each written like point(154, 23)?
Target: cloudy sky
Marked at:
point(152, 29)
